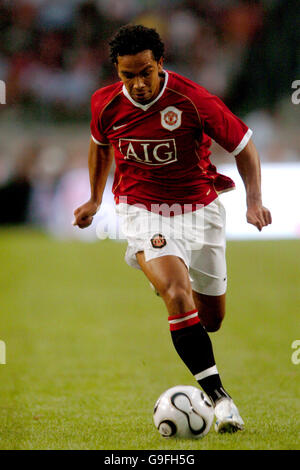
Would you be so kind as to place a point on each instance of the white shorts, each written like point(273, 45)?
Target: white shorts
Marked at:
point(197, 237)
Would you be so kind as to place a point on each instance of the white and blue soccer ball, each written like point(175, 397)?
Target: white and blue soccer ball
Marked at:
point(183, 412)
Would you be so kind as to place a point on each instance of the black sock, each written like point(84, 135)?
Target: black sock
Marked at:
point(193, 345)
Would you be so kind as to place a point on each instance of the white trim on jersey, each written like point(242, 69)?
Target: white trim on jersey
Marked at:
point(97, 141)
point(145, 107)
point(242, 143)
point(206, 373)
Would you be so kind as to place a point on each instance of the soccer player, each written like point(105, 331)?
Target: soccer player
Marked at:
point(158, 127)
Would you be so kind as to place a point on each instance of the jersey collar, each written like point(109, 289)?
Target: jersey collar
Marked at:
point(145, 107)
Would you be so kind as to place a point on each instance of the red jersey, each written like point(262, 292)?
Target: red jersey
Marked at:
point(162, 148)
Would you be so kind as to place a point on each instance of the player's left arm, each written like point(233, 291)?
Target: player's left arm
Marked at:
point(248, 164)
point(219, 123)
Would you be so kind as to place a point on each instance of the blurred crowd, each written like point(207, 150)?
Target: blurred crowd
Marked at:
point(54, 55)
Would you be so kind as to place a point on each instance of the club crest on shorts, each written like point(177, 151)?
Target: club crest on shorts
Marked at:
point(171, 118)
point(158, 241)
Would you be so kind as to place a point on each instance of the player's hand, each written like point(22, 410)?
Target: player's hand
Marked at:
point(84, 214)
point(259, 216)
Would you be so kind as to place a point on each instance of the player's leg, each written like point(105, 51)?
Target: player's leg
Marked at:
point(208, 269)
point(170, 277)
point(209, 282)
point(211, 309)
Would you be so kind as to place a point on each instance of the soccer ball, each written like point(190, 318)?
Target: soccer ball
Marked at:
point(183, 411)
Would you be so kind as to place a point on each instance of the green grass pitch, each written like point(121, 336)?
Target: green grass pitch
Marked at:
point(89, 351)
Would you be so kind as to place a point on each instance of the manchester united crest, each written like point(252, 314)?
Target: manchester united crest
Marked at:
point(171, 118)
point(158, 241)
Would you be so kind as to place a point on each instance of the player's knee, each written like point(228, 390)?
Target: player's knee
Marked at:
point(212, 319)
point(213, 326)
point(214, 322)
point(177, 296)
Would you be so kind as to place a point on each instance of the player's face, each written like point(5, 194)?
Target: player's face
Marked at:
point(141, 75)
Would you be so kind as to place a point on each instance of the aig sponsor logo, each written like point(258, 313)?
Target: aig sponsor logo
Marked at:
point(149, 152)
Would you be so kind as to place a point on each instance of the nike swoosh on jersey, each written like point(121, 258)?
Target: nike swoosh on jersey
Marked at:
point(118, 127)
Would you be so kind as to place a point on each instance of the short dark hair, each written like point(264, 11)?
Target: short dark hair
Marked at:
point(132, 39)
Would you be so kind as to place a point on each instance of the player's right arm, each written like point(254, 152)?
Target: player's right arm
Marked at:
point(99, 163)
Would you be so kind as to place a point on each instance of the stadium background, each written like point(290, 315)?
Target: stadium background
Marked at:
point(53, 55)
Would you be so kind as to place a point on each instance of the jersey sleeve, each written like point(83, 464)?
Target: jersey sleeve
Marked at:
point(97, 133)
point(222, 125)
